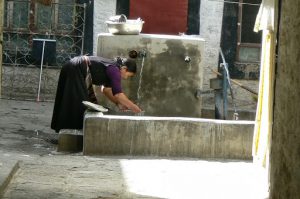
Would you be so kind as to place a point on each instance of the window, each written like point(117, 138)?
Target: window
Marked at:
point(16, 15)
point(64, 19)
point(25, 20)
point(24, 15)
point(248, 41)
point(43, 17)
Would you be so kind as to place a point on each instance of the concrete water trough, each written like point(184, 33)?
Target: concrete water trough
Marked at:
point(170, 70)
point(166, 136)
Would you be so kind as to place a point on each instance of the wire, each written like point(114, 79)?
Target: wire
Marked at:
point(234, 2)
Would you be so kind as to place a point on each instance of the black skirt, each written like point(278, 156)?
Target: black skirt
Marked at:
point(68, 109)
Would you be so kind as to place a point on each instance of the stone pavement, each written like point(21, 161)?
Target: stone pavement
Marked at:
point(26, 141)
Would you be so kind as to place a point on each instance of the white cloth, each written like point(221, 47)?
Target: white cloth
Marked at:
point(265, 19)
point(265, 22)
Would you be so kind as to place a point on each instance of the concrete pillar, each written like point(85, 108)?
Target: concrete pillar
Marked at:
point(211, 14)
point(1, 40)
point(102, 11)
point(285, 148)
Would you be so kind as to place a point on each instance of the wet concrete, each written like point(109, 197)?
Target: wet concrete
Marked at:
point(25, 127)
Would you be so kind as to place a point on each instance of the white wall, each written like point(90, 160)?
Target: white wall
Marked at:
point(211, 14)
point(102, 11)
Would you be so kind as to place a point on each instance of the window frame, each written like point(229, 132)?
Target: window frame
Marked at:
point(32, 15)
point(241, 44)
point(10, 16)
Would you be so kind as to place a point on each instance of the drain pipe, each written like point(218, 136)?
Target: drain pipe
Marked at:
point(226, 79)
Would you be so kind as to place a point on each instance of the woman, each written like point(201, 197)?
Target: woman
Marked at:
point(75, 85)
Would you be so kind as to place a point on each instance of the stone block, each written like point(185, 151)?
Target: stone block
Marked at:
point(70, 140)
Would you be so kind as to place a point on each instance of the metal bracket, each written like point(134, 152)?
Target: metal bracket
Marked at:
point(198, 93)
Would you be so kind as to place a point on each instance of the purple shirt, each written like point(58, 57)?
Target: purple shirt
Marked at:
point(114, 75)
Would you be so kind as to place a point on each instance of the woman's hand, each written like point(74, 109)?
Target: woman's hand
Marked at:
point(122, 107)
point(122, 99)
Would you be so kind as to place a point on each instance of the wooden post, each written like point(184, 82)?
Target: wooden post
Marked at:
point(1, 40)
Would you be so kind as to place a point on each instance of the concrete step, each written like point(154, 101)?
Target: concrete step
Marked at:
point(7, 170)
point(69, 140)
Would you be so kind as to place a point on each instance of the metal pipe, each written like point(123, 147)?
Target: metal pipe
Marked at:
point(42, 60)
point(224, 92)
point(225, 67)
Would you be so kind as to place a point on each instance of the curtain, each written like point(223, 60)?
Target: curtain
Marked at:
point(265, 22)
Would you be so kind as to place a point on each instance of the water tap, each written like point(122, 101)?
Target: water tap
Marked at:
point(133, 54)
point(142, 53)
point(235, 116)
point(187, 59)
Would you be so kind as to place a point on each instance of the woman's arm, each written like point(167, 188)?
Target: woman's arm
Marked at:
point(108, 93)
point(115, 94)
point(122, 99)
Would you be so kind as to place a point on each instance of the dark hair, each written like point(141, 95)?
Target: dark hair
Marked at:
point(131, 65)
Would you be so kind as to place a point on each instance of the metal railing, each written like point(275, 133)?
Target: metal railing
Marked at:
point(25, 21)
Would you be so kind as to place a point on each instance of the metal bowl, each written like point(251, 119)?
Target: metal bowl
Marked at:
point(131, 27)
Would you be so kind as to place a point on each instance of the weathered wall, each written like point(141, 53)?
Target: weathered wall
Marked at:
point(22, 82)
point(211, 14)
point(167, 83)
point(162, 136)
point(210, 19)
point(285, 149)
point(102, 11)
point(1, 38)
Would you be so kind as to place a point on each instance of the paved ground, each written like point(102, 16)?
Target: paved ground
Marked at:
point(25, 137)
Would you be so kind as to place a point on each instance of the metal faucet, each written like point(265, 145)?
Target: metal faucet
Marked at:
point(187, 59)
point(142, 53)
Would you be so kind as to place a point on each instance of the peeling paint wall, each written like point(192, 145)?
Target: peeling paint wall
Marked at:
point(285, 149)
